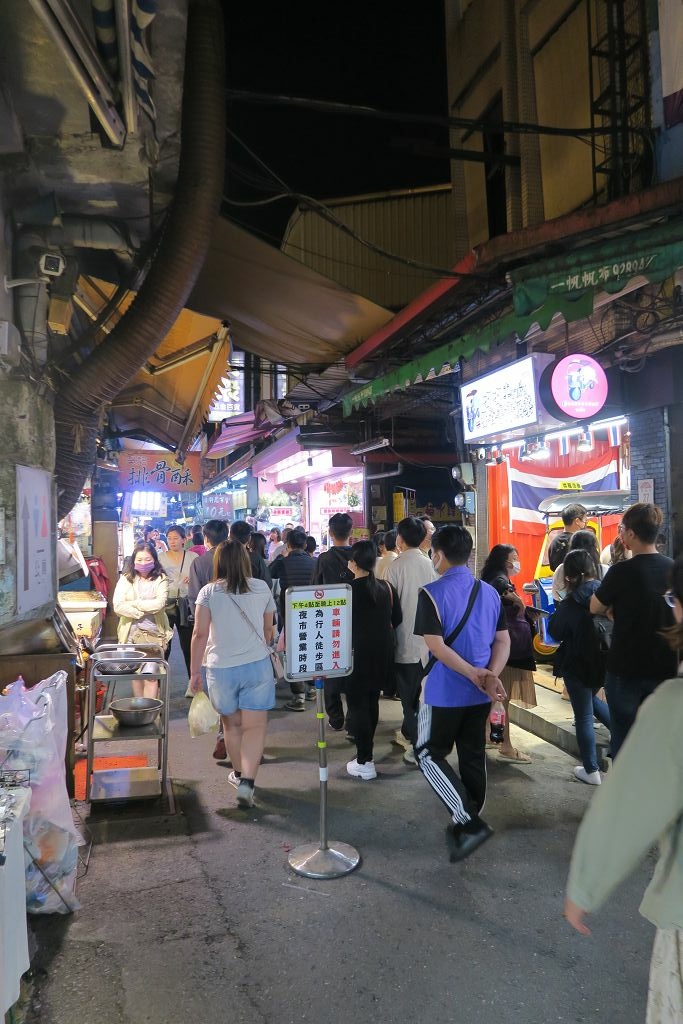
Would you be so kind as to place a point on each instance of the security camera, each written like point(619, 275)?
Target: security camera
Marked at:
point(52, 264)
point(481, 454)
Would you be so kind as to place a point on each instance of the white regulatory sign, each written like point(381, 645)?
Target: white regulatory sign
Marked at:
point(318, 638)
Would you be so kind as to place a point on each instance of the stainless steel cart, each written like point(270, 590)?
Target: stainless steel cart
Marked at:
point(126, 783)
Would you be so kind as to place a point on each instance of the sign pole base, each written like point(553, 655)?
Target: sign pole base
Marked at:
point(311, 861)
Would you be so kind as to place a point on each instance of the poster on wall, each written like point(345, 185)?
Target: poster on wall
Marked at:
point(35, 540)
point(218, 505)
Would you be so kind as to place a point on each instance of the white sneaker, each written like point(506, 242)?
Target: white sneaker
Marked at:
point(361, 771)
point(400, 740)
point(590, 778)
point(233, 779)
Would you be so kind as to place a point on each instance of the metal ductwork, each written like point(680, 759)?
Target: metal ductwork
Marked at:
point(180, 255)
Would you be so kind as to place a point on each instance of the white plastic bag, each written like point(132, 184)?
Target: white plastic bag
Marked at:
point(202, 717)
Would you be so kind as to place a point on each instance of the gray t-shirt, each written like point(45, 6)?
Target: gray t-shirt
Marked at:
point(231, 641)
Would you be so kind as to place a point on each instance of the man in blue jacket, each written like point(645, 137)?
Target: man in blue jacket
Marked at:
point(464, 626)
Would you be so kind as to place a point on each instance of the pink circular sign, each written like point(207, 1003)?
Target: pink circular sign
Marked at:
point(579, 386)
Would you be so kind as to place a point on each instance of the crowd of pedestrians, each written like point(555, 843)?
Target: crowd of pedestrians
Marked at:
point(449, 646)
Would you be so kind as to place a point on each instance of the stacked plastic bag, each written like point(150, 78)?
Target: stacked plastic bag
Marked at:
point(33, 738)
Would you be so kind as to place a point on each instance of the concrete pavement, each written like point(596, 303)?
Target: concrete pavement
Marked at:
point(197, 916)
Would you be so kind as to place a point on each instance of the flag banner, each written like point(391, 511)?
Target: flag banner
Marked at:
point(142, 13)
point(530, 483)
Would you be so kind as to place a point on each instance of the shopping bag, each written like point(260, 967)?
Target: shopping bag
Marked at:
point(202, 717)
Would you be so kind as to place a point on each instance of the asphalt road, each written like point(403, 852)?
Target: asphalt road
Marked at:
point(197, 916)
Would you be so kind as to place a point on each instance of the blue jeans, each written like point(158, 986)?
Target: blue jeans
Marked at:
point(585, 705)
point(624, 697)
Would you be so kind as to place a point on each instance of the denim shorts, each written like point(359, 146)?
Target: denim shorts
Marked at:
point(248, 687)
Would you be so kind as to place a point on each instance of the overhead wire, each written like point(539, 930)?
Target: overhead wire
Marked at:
point(326, 214)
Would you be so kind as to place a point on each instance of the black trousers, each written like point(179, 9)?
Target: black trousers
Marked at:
point(333, 702)
point(438, 730)
point(409, 688)
point(185, 637)
point(363, 705)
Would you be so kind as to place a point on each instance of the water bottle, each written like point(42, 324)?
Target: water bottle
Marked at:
point(497, 721)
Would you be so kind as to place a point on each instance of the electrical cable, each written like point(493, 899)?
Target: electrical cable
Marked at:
point(436, 120)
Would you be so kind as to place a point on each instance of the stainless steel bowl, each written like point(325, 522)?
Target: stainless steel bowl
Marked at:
point(136, 710)
point(108, 663)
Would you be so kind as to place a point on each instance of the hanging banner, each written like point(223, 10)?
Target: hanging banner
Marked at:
point(159, 471)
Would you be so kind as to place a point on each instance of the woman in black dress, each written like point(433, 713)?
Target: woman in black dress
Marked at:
point(376, 611)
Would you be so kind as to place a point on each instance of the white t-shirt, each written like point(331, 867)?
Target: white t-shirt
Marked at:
point(231, 640)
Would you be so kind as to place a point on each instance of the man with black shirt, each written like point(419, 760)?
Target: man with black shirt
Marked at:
point(295, 569)
point(633, 591)
point(575, 518)
point(333, 567)
point(241, 532)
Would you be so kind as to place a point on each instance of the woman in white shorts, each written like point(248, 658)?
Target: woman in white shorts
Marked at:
point(233, 630)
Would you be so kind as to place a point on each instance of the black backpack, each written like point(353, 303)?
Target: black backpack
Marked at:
point(559, 547)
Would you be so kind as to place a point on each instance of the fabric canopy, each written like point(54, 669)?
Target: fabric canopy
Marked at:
point(236, 431)
point(278, 308)
point(166, 401)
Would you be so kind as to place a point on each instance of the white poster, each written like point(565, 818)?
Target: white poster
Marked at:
point(500, 401)
point(318, 631)
point(35, 539)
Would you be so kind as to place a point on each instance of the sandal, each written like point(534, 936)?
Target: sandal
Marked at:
point(518, 757)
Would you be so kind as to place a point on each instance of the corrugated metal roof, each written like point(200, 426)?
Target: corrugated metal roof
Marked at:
point(415, 224)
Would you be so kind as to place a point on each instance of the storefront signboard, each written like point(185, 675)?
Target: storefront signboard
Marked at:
point(218, 505)
point(578, 386)
point(332, 510)
point(318, 632)
point(282, 513)
point(500, 401)
point(159, 471)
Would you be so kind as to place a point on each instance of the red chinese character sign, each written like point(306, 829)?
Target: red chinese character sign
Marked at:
point(578, 386)
point(318, 632)
point(159, 471)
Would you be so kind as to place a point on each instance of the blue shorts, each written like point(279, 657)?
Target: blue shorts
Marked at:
point(248, 687)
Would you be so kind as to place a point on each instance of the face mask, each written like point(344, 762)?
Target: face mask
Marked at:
point(144, 568)
point(515, 568)
point(563, 595)
point(437, 560)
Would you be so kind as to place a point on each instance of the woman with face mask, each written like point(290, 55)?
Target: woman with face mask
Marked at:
point(140, 597)
point(518, 675)
point(176, 564)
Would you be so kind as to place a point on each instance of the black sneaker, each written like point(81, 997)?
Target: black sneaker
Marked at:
point(462, 843)
point(245, 794)
point(295, 704)
point(334, 727)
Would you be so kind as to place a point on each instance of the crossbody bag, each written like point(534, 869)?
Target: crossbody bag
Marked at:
point(278, 670)
point(450, 640)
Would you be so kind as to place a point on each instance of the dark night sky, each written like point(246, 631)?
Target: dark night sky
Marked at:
point(382, 54)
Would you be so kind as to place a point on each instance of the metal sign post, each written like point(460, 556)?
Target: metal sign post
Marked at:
point(318, 644)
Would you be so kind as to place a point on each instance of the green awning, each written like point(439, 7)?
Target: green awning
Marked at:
point(566, 284)
point(445, 358)
point(654, 254)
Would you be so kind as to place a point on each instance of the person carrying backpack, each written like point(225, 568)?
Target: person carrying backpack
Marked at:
point(582, 657)
point(574, 517)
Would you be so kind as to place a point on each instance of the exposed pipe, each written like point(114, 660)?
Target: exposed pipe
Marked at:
point(130, 107)
point(31, 300)
point(105, 113)
point(181, 253)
